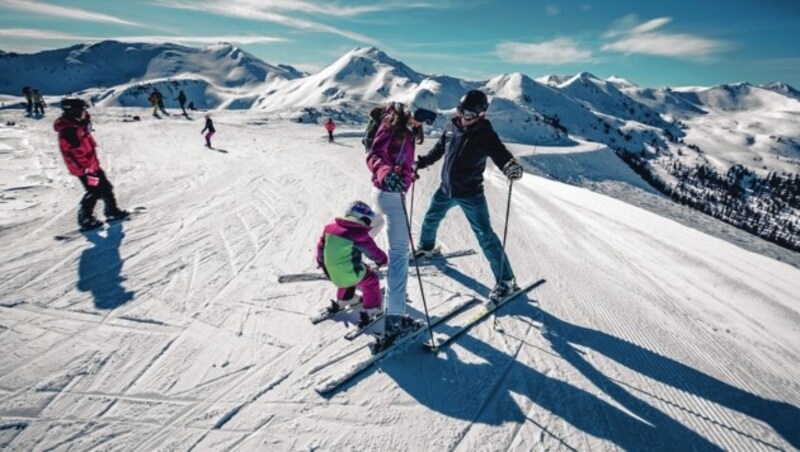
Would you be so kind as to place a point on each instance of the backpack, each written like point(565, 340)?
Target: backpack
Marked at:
point(372, 127)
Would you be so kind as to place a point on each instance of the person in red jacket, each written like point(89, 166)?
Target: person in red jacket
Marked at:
point(329, 126)
point(79, 151)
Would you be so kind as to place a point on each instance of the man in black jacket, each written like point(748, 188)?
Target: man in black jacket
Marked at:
point(467, 142)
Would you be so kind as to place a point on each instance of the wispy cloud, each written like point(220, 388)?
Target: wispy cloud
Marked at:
point(552, 10)
point(631, 37)
point(46, 35)
point(273, 12)
point(47, 9)
point(557, 51)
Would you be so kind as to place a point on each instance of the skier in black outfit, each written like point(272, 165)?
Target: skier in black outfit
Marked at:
point(468, 141)
point(182, 101)
point(211, 130)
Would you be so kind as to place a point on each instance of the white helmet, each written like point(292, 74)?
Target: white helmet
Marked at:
point(362, 212)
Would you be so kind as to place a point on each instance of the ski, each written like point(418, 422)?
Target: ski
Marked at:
point(78, 232)
point(319, 276)
point(482, 312)
point(360, 329)
point(329, 313)
point(440, 257)
point(368, 358)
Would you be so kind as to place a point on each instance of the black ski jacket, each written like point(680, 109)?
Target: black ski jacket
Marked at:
point(465, 152)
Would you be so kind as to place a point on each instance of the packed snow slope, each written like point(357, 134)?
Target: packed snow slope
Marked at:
point(170, 331)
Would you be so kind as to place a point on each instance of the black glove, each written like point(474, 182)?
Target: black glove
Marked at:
point(418, 165)
point(513, 170)
point(393, 182)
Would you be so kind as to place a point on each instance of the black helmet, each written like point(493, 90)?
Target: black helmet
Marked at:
point(474, 101)
point(73, 105)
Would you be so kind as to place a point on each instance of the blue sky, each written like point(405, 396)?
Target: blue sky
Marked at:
point(665, 43)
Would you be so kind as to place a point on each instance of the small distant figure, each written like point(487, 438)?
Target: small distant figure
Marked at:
point(191, 106)
point(182, 101)
point(160, 101)
point(330, 126)
point(154, 103)
point(210, 127)
point(26, 91)
point(38, 103)
point(79, 151)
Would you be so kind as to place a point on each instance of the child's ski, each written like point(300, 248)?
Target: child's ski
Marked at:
point(367, 358)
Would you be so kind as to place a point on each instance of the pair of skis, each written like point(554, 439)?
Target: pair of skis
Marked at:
point(372, 355)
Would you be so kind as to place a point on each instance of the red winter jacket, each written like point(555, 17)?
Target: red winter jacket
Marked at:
point(329, 126)
point(77, 145)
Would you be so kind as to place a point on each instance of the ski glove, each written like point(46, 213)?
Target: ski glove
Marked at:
point(92, 180)
point(393, 182)
point(513, 170)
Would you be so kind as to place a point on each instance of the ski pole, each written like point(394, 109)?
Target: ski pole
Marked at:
point(503, 247)
point(416, 265)
point(411, 209)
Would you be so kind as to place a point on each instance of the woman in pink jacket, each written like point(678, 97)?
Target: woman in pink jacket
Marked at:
point(391, 160)
point(79, 151)
point(330, 126)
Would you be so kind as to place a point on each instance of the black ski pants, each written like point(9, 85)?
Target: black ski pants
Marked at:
point(103, 190)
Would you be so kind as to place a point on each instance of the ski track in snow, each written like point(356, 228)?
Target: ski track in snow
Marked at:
point(170, 331)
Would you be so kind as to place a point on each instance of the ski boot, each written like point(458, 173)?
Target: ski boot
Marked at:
point(342, 304)
point(87, 221)
point(117, 215)
point(502, 290)
point(426, 253)
point(395, 327)
point(368, 315)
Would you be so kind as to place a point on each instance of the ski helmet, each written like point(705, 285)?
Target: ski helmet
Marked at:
point(424, 106)
point(474, 101)
point(362, 212)
point(73, 106)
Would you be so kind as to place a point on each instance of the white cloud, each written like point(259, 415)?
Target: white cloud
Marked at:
point(552, 10)
point(646, 39)
point(62, 11)
point(557, 51)
point(30, 33)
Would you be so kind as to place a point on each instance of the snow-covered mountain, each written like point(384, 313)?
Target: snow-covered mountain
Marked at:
point(731, 124)
point(116, 71)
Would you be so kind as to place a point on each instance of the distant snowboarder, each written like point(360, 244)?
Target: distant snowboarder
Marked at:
point(79, 151)
point(211, 130)
point(160, 101)
point(330, 126)
point(339, 255)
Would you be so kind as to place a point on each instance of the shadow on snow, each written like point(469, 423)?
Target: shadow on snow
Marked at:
point(100, 266)
point(482, 391)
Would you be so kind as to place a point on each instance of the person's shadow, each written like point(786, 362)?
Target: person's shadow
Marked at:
point(100, 266)
point(481, 388)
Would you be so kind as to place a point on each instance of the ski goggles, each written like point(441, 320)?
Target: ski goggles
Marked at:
point(469, 115)
point(424, 115)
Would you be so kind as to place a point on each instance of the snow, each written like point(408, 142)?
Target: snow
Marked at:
point(170, 331)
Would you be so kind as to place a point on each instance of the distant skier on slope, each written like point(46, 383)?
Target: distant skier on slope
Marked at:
point(330, 126)
point(79, 151)
point(339, 254)
point(211, 130)
point(154, 103)
point(26, 91)
point(38, 103)
point(466, 143)
point(182, 101)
